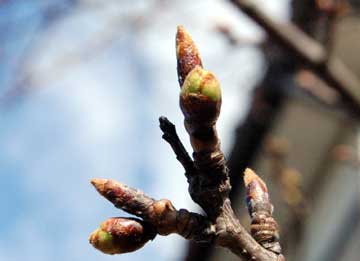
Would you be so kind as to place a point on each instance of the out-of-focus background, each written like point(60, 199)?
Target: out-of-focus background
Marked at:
point(83, 82)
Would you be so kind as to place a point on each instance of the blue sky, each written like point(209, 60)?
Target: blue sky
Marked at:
point(96, 78)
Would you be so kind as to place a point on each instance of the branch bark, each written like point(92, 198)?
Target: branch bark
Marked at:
point(229, 232)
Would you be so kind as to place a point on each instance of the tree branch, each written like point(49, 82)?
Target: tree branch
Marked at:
point(208, 178)
point(172, 138)
point(240, 242)
point(200, 102)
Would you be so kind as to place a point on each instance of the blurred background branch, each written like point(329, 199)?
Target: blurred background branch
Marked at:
point(310, 52)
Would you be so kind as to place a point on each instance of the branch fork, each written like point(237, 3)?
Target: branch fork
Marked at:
point(208, 178)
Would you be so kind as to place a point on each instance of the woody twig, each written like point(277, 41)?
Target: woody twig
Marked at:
point(208, 178)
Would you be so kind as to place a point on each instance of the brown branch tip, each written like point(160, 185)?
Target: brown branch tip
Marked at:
point(208, 178)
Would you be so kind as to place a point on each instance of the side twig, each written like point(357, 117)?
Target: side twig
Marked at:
point(172, 138)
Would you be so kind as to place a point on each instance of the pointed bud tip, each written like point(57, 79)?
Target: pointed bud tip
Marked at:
point(187, 54)
point(103, 241)
point(98, 181)
point(250, 176)
point(180, 30)
point(99, 184)
point(182, 36)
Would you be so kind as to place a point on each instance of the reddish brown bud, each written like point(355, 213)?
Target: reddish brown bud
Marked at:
point(264, 228)
point(187, 54)
point(129, 199)
point(256, 192)
point(159, 213)
point(121, 235)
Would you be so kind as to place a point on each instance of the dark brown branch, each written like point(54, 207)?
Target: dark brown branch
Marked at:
point(200, 102)
point(333, 71)
point(208, 177)
point(228, 222)
point(172, 138)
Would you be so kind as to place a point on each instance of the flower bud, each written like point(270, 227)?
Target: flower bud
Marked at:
point(200, 97)
point(264, 227)
point(202, 82)
point(257, 196)
point(121, 235)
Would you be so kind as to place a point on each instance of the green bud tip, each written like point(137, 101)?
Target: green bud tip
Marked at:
point(103, 241)
point(121, 235)
point(200, 81)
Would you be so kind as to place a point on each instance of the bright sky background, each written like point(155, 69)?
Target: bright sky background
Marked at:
point(97, 75)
